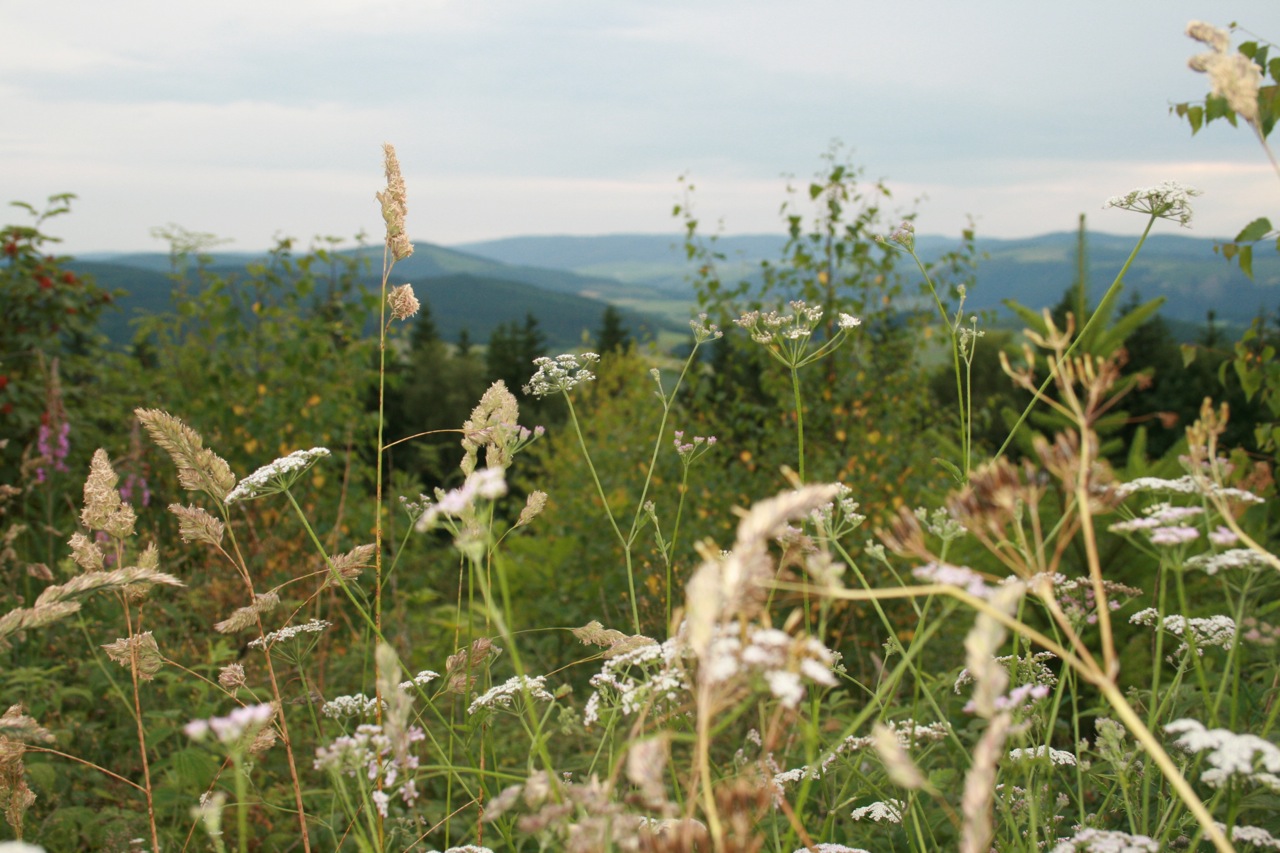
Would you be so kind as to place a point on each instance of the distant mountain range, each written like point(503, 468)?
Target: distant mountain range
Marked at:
point(566, 282)
point(1034, 271)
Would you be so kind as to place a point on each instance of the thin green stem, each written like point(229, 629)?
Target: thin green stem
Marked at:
point(1075, 342)
point(795, 389)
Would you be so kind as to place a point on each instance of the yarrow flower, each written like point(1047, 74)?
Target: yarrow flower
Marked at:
point(1168, 200)
point(561, 374)
point(276, 477)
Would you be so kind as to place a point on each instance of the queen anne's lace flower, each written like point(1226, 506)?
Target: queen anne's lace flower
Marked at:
point(1106, 841)
point(1056, 756)
point(1242, 756)
point(1169, 200)
point(1205, 631)
point(315, 626)
point(504, 694)
point(276, 477)
point(888, 811)
point(561, 374)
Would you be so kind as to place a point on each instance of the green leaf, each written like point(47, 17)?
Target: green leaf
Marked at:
point(1189, 354)
point(1137, 460)
point(1246, 260)
point(1031, 318)
point(950, 468)
point(1108, 339)
point(1254, 231)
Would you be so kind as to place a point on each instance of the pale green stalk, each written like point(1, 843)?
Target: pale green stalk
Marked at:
point(1057, 365)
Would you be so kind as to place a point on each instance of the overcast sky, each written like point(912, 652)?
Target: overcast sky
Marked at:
point(256, 118)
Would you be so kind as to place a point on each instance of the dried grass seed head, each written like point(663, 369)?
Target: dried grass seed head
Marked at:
point(402, 302)
point(140, 647)
point(103, 508)
point(395, 205)
point(199, 469)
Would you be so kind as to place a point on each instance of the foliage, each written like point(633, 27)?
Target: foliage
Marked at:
point(1013, 654)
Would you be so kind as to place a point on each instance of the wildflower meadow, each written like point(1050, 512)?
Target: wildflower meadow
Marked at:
point(847, 569)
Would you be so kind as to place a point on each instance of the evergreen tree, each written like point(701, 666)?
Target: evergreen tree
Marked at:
point(512, 349)
point(613, 336)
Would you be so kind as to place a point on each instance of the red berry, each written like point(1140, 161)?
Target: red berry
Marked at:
point(45, 282)
point(6, 408)
point(69, 277)
point(4, 381)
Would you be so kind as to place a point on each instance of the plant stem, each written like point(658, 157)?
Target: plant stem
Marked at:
point(1057, 365)
point(795, 390)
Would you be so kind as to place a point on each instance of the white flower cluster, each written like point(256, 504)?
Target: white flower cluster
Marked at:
point(766, 327)
point(1185, 485)
point(962, 577)
point(828, 847)
point(422, 679)
point(1032, 669)
point(504, 694)
point(315, 626)
point(370, 752)
point(704, 331)
point(276, 477)
point(1255, 836)
point(1169, 200)
point(1205, 631)
point(909, 733)
point(888, 811)
point(1229, 755)
point(350, 706)
point(1236, 558)
point(243, 721)
point(485, 484)
point(561, 374)
point(1106, 841)
point(649, 675)
point(773, 654)
point(840, 516)
point(1056, 756)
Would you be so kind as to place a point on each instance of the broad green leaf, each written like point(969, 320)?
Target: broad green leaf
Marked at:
point(1246, 260)
point(1254, 231)
point(1108, 339)
point(1031, 318)
point(1137, 461)
point(1189, 354)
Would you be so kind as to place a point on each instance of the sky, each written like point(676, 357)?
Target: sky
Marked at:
point(257, 119)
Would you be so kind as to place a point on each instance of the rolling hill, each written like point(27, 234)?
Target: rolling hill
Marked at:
point(1034, 271)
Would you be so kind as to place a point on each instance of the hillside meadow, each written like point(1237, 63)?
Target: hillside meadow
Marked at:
point(293, 563)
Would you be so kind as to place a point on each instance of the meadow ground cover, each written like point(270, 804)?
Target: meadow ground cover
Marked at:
point(574, 644)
